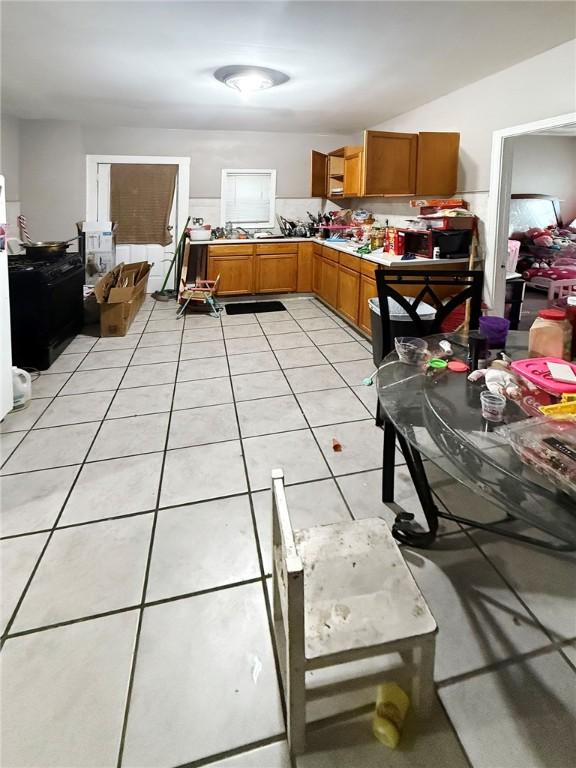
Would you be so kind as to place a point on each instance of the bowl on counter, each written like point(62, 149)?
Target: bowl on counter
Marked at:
point(200, 233)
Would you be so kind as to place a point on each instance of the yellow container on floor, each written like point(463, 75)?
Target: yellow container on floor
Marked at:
point(391, 707)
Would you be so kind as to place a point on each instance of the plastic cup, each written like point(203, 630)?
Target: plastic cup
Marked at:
point(492, 406)
point(496, 330)
point(411, 349)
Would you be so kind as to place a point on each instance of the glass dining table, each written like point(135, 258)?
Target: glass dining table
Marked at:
point(435, 415)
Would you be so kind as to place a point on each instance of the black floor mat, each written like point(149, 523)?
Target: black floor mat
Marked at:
point(244, 307)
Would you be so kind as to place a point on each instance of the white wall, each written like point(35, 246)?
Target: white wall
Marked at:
point(546, 165)
point(10, 156)
point(210, 151)
point(53, 166)
point(52, 177)
point(540, 87)
point(10, 167)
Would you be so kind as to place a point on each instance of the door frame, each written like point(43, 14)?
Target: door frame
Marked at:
point(498, 213)
point(182, 188)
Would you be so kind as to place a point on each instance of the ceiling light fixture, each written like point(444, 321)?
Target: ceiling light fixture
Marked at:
point(250, 79)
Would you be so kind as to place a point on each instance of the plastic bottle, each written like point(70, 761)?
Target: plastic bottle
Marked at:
point(21, 387)
point(391, 707)
point(550, 335)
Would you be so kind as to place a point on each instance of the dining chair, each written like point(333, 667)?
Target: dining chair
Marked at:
point(343, 593)
point(457, 298)
point(447, 291)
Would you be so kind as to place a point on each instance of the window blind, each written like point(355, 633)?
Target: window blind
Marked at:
point(248, 197)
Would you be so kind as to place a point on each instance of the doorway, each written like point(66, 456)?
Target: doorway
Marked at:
point(497, 229)
point(98, 209)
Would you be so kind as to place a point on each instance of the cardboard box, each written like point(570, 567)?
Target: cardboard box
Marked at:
point(120, 294)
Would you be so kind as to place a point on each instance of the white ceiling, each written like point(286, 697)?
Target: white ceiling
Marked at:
point(351, 64)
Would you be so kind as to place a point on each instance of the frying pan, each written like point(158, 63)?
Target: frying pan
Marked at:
point(47, 248)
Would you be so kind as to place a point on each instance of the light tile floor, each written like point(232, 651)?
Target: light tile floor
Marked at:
point(135, 546)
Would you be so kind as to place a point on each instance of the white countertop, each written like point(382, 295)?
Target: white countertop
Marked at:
point(378, 256)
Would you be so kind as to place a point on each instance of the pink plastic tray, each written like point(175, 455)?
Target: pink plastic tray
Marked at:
point(535, 370)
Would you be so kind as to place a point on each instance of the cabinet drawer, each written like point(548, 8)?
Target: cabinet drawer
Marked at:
point(368, 268)
point(350, 261)
point(231, 250)
point(277, 248)
point(317, 249)
point(330, 253)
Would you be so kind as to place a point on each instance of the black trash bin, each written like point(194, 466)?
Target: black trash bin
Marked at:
point(401, 324)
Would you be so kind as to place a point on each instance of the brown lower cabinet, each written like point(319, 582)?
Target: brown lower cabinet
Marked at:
point(348, 293)
point(236, 273)
point(343, 281)
point(316, 273)
point(367, 291)
point(329, 281)
point(276, 273)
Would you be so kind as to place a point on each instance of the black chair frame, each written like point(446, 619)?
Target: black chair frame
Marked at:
point(470, 283)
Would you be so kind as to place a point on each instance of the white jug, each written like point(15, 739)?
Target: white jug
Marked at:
point(22, 387)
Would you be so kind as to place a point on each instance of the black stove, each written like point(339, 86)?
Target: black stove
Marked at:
point(46, 307)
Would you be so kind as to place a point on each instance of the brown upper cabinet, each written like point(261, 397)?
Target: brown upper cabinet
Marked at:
point(319, 174)
point(389, 164)
point(337, 174)
point(437, 170)
point(390, 161)
point(353, 157)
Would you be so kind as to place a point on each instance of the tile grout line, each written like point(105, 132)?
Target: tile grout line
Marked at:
point(245, 748)
point(133, 607)
point(267, 608)
point(183, 504)
point(469, 532)
point(52, 530)
point(132, 674)
point(331, 473)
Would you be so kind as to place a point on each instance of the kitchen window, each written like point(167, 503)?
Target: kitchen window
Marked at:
point(248, 197)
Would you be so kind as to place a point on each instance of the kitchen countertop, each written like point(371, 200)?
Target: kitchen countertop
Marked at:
point(378, 256)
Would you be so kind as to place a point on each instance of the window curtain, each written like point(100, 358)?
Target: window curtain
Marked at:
point(141, 199)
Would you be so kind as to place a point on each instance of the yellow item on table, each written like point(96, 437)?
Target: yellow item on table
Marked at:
point(559, 409)
point(391, 707)
point(569, 397)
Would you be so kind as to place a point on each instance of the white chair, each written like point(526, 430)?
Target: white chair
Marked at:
point(342, 592)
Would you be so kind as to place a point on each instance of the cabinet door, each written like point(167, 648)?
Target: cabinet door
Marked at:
point(319, 175)
point(437, 172)
point(390, 163)
point(236, 274)
point(317, 274)
point(348, 293)
point(353, 174)
point(329, 282)
point(305, 261)
point(276, 273)
point(367, 291)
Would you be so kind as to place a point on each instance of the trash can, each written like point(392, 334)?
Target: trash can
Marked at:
point(401, 324)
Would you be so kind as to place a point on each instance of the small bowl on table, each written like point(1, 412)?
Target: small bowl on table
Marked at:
point(411, 349)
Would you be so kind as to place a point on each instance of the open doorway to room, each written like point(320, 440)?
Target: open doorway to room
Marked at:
point(98, 207)
point(532, 204)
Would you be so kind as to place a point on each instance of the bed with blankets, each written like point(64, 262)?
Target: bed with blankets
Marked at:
point(547, 254)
